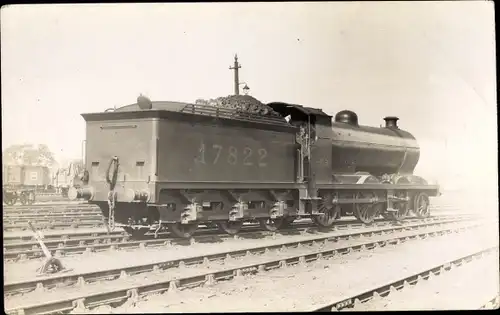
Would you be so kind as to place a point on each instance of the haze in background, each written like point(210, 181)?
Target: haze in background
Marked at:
point(430, 63)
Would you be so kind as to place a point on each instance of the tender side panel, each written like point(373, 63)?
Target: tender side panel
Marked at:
point(213, 152)
point(130, 140)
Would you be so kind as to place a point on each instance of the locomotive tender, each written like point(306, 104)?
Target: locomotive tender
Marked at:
point(176, 165)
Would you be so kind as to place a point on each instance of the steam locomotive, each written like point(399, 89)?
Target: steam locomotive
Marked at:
point(172, 165)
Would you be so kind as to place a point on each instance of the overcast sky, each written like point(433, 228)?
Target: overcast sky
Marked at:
point(430, 63)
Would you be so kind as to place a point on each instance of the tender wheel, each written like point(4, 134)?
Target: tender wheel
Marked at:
point(230, 227)
point(329, 212)
point(327, 218)
point(402, 207)
point(182, 230)
point(366, 212)
point(10, 200)
point(136, 233)
point(421, 205)
point(271, 224)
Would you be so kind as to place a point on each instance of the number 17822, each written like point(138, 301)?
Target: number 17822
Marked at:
point(217, 153)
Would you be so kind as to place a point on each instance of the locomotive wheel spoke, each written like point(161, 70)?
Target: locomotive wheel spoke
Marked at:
point(400, 214)
point(402, 208)
point(329, 213)
point(271, 224)
point(230, 227)
point(421, 206)
point(363, 212)
point(182, 230)
point(367, 213)
point(10, 201)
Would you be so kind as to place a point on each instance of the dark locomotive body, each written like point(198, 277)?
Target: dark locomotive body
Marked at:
point(178, 165)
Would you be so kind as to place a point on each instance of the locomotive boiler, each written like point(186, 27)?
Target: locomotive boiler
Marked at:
point(176, 165)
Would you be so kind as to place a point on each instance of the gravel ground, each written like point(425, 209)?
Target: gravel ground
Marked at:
point(17, 271)
point(75, 292)
point(466, 287)
point(301, 288)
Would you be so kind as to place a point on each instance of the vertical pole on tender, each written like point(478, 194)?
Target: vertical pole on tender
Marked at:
point(236, 75)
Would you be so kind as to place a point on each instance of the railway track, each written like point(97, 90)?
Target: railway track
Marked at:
point(54, 216)
point(53, 209)
point(405, 282)
point(82, 291)
point(75, 218)
point(14, 251)
point(49, 225)
point(41, 219)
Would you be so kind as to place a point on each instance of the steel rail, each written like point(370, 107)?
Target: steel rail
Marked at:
point(30, 250)
point(399, 284)
point(30, 213)
point(33, 214)
point(122, 241)
point(55, 225)
point(62, 225)
point(62, 236)
point(51, 211)
point(56, 219)
point(50, 282)
point(83, 301)
point(12, 240)
point(15, 216)
point(49, 206)
point(76, 207)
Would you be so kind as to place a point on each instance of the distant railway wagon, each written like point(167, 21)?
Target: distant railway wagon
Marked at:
point(20, 182)
point(176, 165)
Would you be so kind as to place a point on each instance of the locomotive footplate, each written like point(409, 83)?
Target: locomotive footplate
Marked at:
point(360, 200)
point(395, 198)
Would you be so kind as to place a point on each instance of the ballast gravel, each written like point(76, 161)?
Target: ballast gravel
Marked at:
point(105, 260)
point(465, 287)
point(174, 273)
point(310, 286)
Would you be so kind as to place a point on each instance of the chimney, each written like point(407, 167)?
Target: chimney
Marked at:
point(391, 122)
